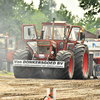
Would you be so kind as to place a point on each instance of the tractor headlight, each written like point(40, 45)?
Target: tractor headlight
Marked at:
point(41, 56)
point(61, 45)
point(52, 52)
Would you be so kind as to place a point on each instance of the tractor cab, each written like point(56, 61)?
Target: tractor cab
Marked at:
point(46, 32)
point(47, 44)
point(7, 48)
point(11, 47)
point(2, 42)
point(53, 37)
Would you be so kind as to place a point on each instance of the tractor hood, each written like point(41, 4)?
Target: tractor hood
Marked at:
point(45, 48)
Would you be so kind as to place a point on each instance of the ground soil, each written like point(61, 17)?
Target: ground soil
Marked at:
point(35, 89)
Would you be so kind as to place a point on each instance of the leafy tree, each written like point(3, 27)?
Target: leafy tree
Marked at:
point(92, 6)
point(89, 23)
point(47, 7)
point(78, 21)
point(36, 18)
point(13, 14)
point(7, 12)
point(64, 15)
point(98, 23)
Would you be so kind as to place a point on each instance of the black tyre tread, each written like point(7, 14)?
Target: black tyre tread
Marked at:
point(21, 72)
point(63, 73)
point(20, 54)
point(79, 53)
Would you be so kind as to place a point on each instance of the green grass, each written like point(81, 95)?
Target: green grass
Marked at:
point(5, 73)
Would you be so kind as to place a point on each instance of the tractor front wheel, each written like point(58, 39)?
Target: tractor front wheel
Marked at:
point(22, 72)
point(68, 70)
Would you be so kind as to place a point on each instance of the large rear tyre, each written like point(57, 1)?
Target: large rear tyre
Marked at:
point(68, 71)
point(81, 70)
point(22, 72)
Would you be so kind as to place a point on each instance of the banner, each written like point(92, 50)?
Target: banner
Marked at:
point(39, 63)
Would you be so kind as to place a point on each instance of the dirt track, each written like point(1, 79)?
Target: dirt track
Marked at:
point(35, 89)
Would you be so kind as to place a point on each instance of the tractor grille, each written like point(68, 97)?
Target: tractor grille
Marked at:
point(43, 43)
point(44, 49)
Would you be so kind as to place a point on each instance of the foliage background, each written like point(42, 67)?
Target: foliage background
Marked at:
point(15, 13)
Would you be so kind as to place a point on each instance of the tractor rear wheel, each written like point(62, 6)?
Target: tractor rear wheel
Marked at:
point(81, 70)
point(68, 70)
point(22, 72)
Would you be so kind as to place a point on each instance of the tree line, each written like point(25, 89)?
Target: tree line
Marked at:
point(15, 13)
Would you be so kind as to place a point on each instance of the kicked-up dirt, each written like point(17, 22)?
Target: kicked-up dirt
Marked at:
point(35, 89)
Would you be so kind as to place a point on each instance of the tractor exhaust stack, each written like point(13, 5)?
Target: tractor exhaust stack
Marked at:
point(53, 29)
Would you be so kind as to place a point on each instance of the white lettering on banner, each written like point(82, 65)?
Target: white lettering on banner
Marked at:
point(39, 63)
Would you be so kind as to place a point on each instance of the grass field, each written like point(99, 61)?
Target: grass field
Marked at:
point(5, 73)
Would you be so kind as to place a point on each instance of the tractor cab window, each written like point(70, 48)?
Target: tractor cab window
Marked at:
point(47, 32)
point(29, 32)
point(2, 42)
point(11, 45)
point(74, 33)
point(58, 32)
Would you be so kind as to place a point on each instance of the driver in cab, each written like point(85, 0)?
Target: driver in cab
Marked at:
point(57, 35)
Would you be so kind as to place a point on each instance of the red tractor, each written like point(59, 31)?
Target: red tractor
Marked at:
point(7, 48)
point(54, 54)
